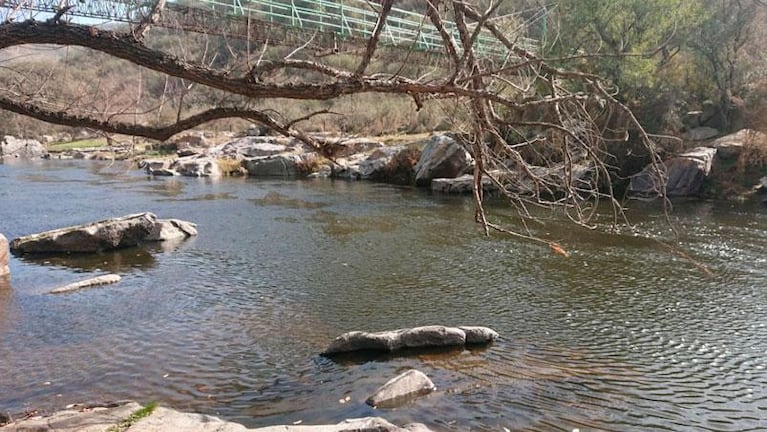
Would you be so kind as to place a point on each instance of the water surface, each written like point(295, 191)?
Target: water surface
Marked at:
point(626, 334)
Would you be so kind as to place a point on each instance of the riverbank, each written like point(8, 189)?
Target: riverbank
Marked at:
point(731, 167)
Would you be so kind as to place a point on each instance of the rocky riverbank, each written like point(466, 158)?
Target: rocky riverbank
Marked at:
point(700, 164)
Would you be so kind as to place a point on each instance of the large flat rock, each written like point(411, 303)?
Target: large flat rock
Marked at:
point(417, 337)
point(108, 234)
point(98, 419)
point(98, 236)
point(103, 419)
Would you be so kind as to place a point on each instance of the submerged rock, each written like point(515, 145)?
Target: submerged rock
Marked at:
point(400, 389)
point(108, 234)
point(92, 282)
point(418, 337)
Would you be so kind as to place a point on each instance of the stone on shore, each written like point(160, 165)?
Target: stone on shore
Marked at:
point(418, 337)
point(88, 283)
point(101, 419)
point(400, 389)
point(193, 166)
point(4, 270)
point(282, 165)
point(684, 175)
point(108, 234)
point(442, 157)
point(11, 147)
point(97, 419)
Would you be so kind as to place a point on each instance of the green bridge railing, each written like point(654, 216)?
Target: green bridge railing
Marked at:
point(348, 19)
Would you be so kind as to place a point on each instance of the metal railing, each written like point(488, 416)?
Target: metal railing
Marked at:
point(348, 19)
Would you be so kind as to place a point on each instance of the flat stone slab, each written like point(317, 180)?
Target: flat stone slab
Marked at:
point(417, 337)
point(102, 419)
point(88, 283)
point(400, 389)
point(98, 419)
point(108, 234)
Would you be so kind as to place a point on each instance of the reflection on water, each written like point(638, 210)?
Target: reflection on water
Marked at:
point(626, 334)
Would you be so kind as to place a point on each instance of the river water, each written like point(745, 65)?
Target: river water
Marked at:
point(625, 334)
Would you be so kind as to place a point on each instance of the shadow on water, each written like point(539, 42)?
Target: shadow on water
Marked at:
point(423, 354)
point(112, 261)
point(118, 261)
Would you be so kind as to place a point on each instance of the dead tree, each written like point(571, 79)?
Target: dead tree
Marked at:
point(536, 131)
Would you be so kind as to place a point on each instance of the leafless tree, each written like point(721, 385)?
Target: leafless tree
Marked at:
point(537, 133)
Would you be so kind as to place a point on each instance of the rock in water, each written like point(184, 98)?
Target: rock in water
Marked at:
point(100, 280)
point(4, 270)
point(172, 229)
point(94, 237)
point(400, 389)
point(108, 234)
point(418, 337)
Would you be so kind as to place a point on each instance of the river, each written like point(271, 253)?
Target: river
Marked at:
point(625, 334)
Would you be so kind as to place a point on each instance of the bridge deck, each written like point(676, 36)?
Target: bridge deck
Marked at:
point(342, 20)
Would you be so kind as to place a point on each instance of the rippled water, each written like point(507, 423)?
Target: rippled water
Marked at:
point(626, 334)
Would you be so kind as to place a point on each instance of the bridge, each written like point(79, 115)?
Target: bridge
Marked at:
point(330, 24)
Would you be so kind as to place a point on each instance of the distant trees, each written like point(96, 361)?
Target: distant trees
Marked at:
point(663, 53)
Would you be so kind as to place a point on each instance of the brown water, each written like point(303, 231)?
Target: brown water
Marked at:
point(623, 335)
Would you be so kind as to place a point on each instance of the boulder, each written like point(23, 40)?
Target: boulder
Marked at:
point(700, 133)
point(172, 229)
point(479, 335)
point(367, 166)
point(197, 167)
point(4, 270)
point(684, 175)
point(400, 389)
point(98, 236)
point(92, 282)
point(761, 187)
point(283, 165)
point(730, 146)
point(417, 337)
point(11, 147)
point(442, 157)
point(104, 235)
